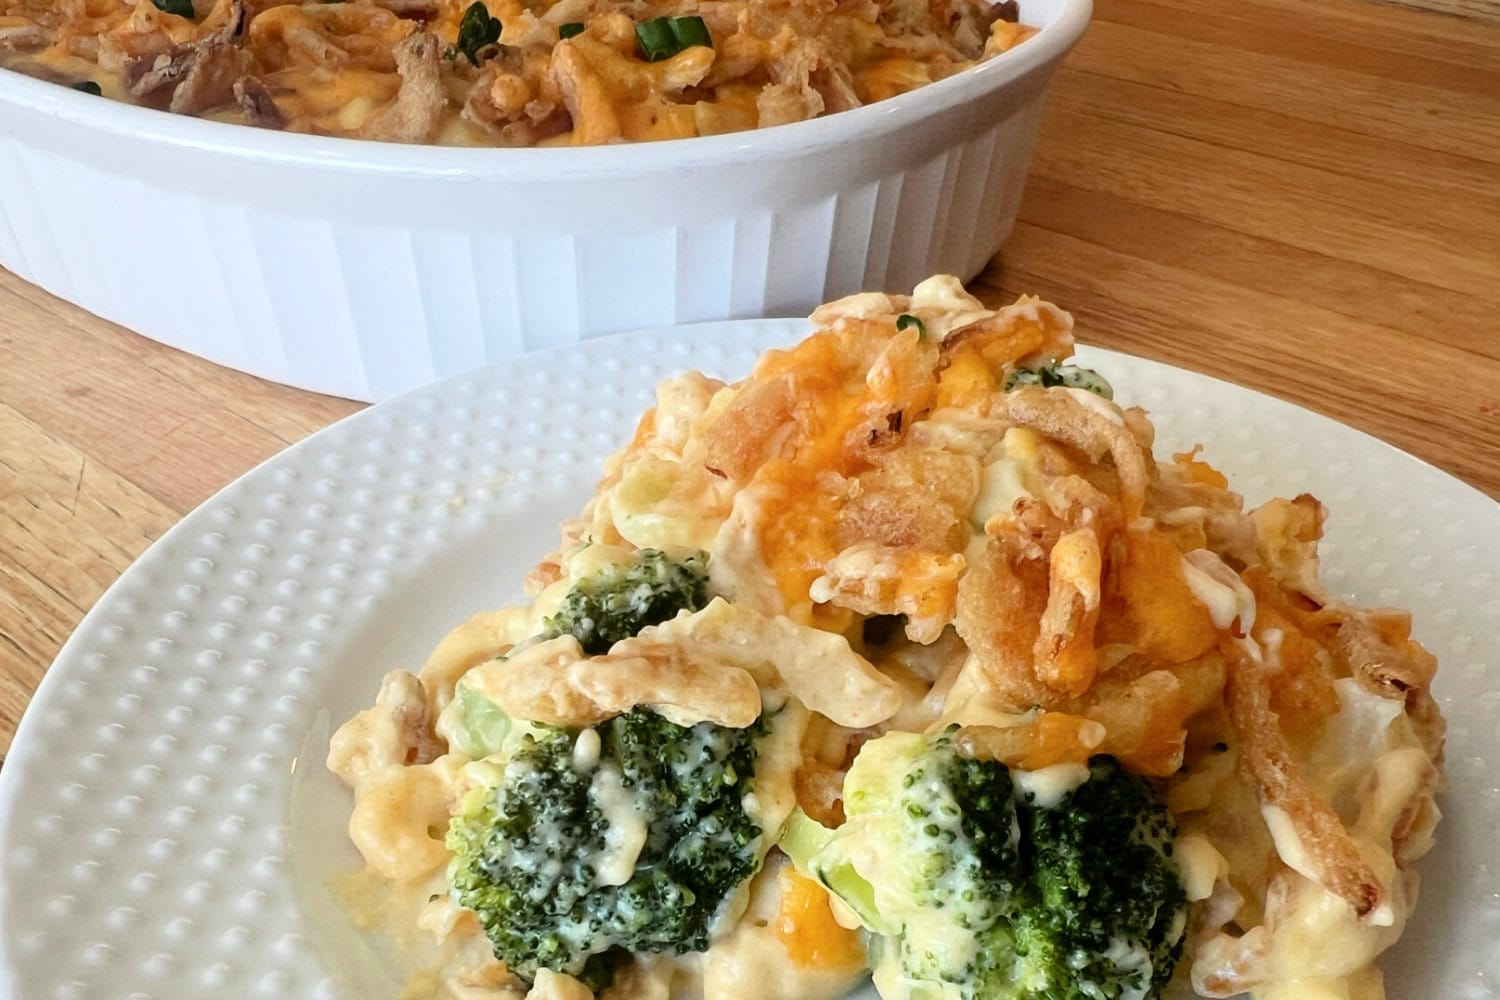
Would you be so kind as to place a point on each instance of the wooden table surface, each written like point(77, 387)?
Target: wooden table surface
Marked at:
point(1303, 198)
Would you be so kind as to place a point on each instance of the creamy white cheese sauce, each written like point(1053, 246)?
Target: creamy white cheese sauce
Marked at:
point(626, 835)
point(1096, 403)
point(1048, 786)
point(1219, 589)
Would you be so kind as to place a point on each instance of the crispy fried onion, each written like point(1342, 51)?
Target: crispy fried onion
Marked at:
point(194, 76)
point(1144, 718)
point(511, 107)
point(395, 731)
point(554, 683)
point(1065, 415)
point(413, 116)
point(1028, 615)
point(1001, 600)
point(872, 579)
point(254, 99)
point(1138, 719)
point(327, 37)
point(807, 80)
point(751, 427)
point(1287, 536)
point(1189, 501)
point(1377, 649)
point(1028, 331)
point(1331, 857)
point(18, 34)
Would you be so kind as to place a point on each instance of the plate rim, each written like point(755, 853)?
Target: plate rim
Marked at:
point(14, 780)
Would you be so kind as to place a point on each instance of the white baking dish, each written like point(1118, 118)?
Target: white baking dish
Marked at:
point(363, 269)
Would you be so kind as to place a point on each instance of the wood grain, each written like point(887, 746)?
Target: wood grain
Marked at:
point(1485, 10)
point(1301, 198)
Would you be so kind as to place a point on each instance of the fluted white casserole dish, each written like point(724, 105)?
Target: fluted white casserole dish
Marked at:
point(364, 269)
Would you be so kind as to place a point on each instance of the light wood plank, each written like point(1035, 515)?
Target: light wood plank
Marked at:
point(1484, 10)
point(109, 391)
point(1357, 291)
point(1422, 115)
point(70, 527)
point(1441, 243)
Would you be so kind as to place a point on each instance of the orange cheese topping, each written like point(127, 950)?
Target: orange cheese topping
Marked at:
point(1160, 616)
point(807, 929)
point(1200, 471)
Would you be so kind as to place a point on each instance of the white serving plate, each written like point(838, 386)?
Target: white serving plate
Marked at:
point(167, 828)
point(363, 269)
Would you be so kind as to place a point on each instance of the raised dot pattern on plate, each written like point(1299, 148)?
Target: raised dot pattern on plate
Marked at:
point(144, 829)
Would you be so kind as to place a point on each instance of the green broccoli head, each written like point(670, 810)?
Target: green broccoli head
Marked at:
point(1111, 907)
point(618, 602)
point(588, 845)
point(987, 885)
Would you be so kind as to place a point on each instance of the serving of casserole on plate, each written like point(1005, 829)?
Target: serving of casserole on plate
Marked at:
point(904, 655)
point(166, 797)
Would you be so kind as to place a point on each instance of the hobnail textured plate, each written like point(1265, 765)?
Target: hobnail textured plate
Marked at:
point(166, 825)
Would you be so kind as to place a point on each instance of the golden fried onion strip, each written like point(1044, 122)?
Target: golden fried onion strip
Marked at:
point(1267, 760)
point(1060, 416)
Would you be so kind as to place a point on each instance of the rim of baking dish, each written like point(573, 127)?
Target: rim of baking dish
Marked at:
point(74, 108)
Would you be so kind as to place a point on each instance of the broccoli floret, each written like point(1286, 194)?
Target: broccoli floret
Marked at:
point(1067, 376)
point(618, 602)
point(1101, 868)
point(588, 845)
point(983, 884)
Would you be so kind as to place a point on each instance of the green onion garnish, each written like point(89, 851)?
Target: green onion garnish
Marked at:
point(88, 87)
point(570, 29)
point(907, 320)
point(182, 8)
point(656, 39)
point(690, 31)
point(663, 37)
point(477, 31)
point(1064, 376)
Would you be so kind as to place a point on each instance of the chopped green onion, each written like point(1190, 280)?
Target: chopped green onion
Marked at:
point(656, 39)
point(476, 32)
point(690, 31)
point(906, 320)
point(663, 37)
point(88, 87)
point(570, 29)
point(182, 8)
point(1066, 376)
